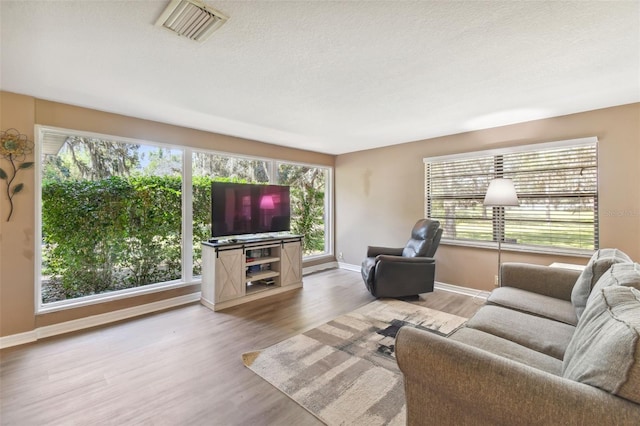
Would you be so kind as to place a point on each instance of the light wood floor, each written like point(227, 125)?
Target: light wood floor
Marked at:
point(182, 366)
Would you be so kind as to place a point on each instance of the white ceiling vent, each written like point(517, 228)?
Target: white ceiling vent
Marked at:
point(191, 18)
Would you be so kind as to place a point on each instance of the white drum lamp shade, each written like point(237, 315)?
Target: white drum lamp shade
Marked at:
point(500, 193)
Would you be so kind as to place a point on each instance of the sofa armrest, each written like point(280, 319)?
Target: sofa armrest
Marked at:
point(373, 251)
point(448, 382)
point(553, 282)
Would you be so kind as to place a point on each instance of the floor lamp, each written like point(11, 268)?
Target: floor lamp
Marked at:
point(501, 193)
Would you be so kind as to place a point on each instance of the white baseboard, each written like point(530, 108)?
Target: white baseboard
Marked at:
point(440, 286)
point(320, 267)
point(467, 291)
point(95, 320)
point(349, 267)
point(18, 339)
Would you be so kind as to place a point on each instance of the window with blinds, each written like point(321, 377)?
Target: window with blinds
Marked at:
point(557, 186)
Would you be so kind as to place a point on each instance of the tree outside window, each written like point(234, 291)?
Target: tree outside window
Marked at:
point(111, 217)
point(308, 190)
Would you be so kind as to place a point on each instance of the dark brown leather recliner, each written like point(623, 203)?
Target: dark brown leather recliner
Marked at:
point(405, 271)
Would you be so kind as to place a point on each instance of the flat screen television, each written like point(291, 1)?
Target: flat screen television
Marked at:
point(243, 208)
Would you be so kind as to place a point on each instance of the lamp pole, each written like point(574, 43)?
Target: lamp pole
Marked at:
point(500, 193)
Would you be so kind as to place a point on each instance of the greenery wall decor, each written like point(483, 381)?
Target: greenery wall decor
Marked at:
point(15, 147)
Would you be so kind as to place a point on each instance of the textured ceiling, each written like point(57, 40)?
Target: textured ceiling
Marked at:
point(332, 77)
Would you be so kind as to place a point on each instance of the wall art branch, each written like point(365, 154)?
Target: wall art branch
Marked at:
point(15, 147)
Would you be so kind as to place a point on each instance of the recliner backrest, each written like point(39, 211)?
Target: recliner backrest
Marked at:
point(425, 237)
point(434, 244)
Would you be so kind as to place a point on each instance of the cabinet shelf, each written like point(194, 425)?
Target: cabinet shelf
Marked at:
point(257, 287)
point(255, 276)
point(261, 260)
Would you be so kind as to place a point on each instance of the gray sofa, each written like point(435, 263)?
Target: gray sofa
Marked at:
point(551, 346)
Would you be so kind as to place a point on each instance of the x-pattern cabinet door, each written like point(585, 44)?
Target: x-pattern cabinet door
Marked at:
point(291, 263)
point(229, 275)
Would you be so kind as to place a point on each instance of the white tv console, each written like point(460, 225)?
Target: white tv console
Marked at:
point(239, 271)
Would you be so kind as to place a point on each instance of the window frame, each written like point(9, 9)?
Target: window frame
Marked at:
point(328, 205)
point(495, 153)
point(187, 277)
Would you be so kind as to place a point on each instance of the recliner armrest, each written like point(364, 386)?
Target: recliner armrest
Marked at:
point(373, 251)
point(401, 259)
point(397, 276)
point(449, 382)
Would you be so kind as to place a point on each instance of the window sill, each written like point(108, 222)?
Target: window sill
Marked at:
point(315, 258)
point(95, 299)
point(520, 248)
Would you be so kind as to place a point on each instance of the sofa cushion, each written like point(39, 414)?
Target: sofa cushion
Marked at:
point(540, 334)
point(605, 350)
point(599, 263)
point(508, 349)
point(534, 303)
point(623, 274)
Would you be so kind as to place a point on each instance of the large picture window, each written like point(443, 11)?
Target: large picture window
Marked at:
point(557, 190)
point(111, 216)
point(121, 216)
point(309, 198)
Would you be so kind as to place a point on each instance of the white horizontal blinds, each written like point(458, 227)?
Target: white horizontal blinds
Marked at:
point(457, 191)
point(558, 193)
point(556, 185)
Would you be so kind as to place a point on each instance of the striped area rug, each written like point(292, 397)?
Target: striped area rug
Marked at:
point(344, 372)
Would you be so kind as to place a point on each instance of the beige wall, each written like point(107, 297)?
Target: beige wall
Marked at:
point(17, 302)
point(16, 236)
point(380, 192)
